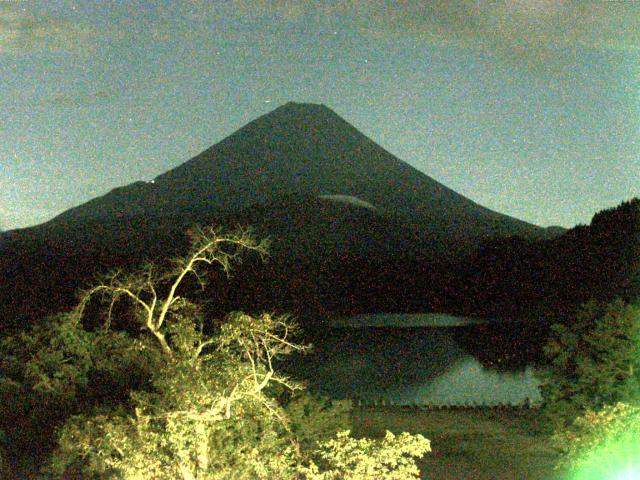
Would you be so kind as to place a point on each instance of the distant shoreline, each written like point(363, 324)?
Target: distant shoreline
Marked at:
point(408, 320)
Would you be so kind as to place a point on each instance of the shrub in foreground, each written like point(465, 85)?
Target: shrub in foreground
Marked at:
point(592, 362)
point(197, 405)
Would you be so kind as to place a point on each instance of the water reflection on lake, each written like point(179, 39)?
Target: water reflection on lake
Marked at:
point(411, 366)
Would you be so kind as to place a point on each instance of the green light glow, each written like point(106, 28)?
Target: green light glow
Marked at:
point(617, 459)
point(632, 474)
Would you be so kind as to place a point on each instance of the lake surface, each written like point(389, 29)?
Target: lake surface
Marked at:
point(411, 366)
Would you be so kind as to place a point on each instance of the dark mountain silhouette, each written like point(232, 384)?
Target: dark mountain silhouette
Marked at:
point(334, 257)
point(352, 224)
point(301, 149)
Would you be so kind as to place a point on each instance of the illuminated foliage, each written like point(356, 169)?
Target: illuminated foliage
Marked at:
point(603, 445)
point(347, 458)
point(210, 410)
point(197, 400)
point(595, 368)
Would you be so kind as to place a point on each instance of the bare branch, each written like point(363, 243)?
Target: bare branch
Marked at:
point(201, 347)
point(208, 247)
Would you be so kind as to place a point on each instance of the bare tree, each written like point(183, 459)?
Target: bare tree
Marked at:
point(214, 407)
point(143, 287)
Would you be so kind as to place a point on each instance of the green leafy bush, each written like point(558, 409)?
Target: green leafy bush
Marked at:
point(347, 458)
point(593, 361)
point(57, 369)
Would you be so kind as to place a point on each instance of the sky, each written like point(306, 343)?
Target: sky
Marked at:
point(528, 107)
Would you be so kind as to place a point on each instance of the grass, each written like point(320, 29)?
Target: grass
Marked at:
point(471, 444)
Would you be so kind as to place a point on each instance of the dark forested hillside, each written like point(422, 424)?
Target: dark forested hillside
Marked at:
point(525, 278)
point(398, 241)
point(287, 172)
point(317, 267)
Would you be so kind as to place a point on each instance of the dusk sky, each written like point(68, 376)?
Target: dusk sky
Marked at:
point(528, 107)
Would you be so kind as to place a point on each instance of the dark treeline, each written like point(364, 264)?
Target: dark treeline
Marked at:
point(531, 284)
point(533, 281)
point(42, 268)
point(517, 278)
point(506, 278)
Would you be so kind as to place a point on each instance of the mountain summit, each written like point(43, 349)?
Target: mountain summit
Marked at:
point(302, 148)
point(344, 214)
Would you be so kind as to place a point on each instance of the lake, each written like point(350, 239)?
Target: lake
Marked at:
point(412, 366)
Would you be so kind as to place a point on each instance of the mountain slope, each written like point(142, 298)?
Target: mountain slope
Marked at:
point(302, 148)
point(343, 211)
